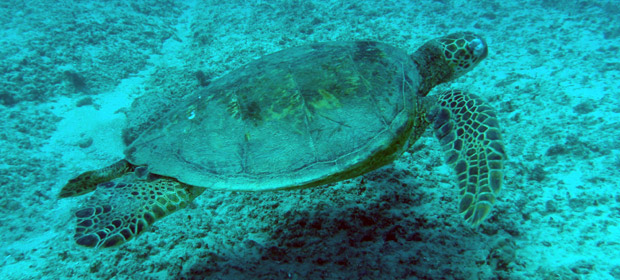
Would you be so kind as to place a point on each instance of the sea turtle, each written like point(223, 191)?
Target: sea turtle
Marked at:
point(299, 118)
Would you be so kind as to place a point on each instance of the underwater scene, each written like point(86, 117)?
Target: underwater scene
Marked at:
point(288, 139)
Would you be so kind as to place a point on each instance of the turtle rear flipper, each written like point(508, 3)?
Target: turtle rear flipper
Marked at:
point(124, 208)
point(469, 133)
point(88, 181)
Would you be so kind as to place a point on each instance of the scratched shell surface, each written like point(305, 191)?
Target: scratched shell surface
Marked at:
point(296, 118)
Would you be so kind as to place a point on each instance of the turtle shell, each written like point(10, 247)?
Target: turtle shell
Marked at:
point(297, 118)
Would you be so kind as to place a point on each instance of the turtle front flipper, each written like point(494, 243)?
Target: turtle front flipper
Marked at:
point(124, 208)
point(88, 181)
point(468, 130)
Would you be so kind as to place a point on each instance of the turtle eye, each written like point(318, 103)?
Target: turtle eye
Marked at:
point(478, 48)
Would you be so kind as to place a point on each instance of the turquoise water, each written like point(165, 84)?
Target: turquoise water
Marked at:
point(78, 76)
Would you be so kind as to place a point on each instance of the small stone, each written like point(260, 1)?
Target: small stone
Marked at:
point(584, 107)
point(582, 267)
point(85, 142)
point(578, 204)
point(556, 150)
point(84, 102)
point(78, 81)
point(203, 79)
point(615, 272)
point(538, 173)
point(551, 206)
point(490, 16)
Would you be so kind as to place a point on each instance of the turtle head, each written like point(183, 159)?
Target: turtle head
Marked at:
point(446, 58)
point(462, 51)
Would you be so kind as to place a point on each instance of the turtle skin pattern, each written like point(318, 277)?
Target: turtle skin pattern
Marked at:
point(469, 133)
point(126, 207)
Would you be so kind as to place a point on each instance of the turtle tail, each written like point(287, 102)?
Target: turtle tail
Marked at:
point(88, 181)
point(469, 133)
point(122, 209)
